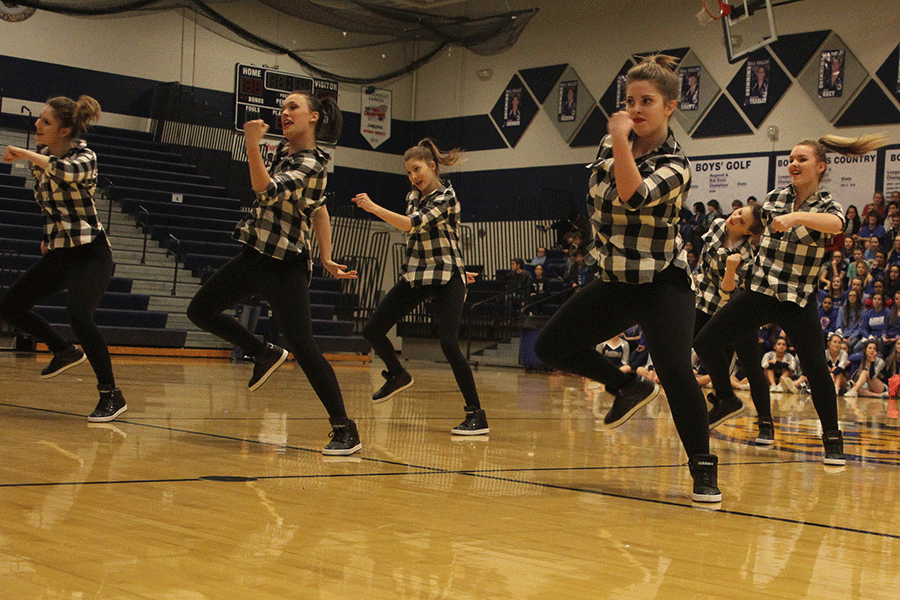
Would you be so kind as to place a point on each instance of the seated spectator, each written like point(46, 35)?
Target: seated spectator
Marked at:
point(893, 256)
point(864, 274)
point(617, 351)
point(517, 281)
point(828, 315)
point(713, 212)
point(874, 323)
point(871, 228)
point(892, 281)
point(777, 364)
point(873, 245)
point(835, 291)
point(867, 380)
point(635, 338)
point(852, 223)
point(877, 205)
point(736, 204)
point(578, 273)
point(836, 267)
point(892, 330)
point(892, 226)
point(541, 257)
point(850, 318)
point(838, 363)
point(537, 289)
point(879, 265)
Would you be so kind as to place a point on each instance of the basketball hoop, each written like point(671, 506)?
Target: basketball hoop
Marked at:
point(706, 16)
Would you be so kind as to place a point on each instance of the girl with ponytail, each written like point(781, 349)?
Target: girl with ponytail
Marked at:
point(799, 221)
point(639, 183)
point(76, 253)
point(434, 269)
point(275, 263)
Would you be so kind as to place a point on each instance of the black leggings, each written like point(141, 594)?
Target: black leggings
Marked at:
point(665, 311)
point(747, 350)
point(745, 314)
point(399, 302)
point(284, 284)
point(85, 272)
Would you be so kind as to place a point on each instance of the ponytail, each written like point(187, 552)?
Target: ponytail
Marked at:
point(844, 145)
point(427, 151)
point(77, 115)
point(331, 120)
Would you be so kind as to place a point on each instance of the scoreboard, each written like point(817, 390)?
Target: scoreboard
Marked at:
point(259, 93)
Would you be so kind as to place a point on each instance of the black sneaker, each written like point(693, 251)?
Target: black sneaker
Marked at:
point(834, 448)
point(766, 435)
point(724, 410)
point(393, 386)
point(267, 360)
point(475, 423)
point(705, 471)
point(629, 400)
point(63, 361)
point(111, 405)
point(344, 439)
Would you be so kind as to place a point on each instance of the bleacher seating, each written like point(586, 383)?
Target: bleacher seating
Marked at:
point(124, 318)
point(145, 175)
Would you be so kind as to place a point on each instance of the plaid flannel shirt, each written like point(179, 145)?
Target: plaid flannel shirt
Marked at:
point(432, 247)
point(65, 193)
point(710, 296)
point(634, 240)
point(280, 220)
point(788, 263)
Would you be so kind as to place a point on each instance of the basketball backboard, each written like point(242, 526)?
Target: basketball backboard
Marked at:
point(750, 25)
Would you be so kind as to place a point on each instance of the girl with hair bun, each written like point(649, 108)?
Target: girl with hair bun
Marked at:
point(639, 183)
point(434, 269)
point(275, 263)
point(76, 255)
point(799, 221)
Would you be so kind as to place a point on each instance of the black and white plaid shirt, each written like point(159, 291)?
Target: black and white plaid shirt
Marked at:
point(635, 240)
point(65, 192)
point(787, 264)
point(280, 220)
point(432, 247)
point(710, 296)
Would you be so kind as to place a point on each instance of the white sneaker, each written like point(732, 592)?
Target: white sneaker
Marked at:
point(788, 384)
point(776, 389)
point(850, 394)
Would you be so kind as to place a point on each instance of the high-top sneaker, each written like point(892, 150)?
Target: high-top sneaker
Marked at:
point(111, 405)
point(705, 469)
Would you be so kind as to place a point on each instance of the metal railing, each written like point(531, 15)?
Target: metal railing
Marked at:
point(173, 247)
point(142, 219)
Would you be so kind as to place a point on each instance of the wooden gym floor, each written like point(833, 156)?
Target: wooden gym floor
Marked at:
point(205, 491)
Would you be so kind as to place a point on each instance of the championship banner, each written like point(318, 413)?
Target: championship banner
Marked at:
point(891, 171)
point(375, 116)
point(850, 179)
point(729, 179)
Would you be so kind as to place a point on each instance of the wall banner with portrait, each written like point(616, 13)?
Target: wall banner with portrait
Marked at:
point(514, 110)
point(831, 74)
point(689, 80)
point(568, 101)
point(756, 89)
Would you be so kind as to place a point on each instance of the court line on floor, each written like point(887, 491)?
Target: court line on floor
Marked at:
point(426, 470)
